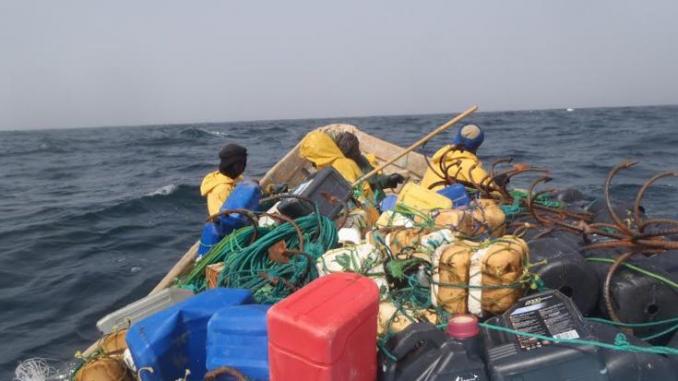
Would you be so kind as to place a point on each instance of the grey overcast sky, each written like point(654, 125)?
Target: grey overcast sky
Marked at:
point(71, 63)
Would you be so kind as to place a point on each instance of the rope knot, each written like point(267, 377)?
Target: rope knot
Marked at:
point(621, 340)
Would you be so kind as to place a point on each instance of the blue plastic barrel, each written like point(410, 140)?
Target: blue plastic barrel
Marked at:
point(456, 193)
point(175, 339)
point(237, 338)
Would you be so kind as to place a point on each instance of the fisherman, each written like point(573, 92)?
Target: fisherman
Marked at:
point(319, 148)
point(349, 145)
point(459, 159)
point(217, 185)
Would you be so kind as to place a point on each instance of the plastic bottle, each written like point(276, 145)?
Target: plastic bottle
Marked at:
point(423, 352)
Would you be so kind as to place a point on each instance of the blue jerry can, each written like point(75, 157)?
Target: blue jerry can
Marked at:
point(245, 195)
point(456, 193)
point(210, 236)
point(173, 340)
point(237, 338)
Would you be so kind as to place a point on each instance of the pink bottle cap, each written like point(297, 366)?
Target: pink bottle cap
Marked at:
point(462, 326)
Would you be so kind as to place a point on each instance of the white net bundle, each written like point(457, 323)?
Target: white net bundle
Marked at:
point(37, 369)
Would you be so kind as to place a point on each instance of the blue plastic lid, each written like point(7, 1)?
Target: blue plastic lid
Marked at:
point(388, 203)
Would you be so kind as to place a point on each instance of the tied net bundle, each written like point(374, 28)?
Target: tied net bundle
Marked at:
point(480, 278)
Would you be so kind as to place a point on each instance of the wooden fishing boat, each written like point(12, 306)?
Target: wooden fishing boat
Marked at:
point(292, 170)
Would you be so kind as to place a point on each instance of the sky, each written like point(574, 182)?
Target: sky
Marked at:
point(87, 63)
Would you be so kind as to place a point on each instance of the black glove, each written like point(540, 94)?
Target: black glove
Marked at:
point(502, 180)
point(272, 189)
point(393, 180)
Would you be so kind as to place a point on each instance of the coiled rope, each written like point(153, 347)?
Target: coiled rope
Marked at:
point(248, 265)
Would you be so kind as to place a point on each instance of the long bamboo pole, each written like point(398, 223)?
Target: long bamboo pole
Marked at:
point(418, 144)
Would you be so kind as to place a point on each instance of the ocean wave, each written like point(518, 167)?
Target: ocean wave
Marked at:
point(60, 220)
point(168, 195)
point(197, 132)
point(164, 190)
point(18, 151)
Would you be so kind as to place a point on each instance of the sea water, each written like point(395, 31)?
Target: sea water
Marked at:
point(91, 219)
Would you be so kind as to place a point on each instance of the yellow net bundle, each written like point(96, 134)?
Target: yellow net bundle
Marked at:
point(479, 278)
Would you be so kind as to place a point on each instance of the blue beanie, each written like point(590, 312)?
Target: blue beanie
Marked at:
point(469, 137)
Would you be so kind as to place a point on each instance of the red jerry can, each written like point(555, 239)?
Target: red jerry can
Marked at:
point(325, 331)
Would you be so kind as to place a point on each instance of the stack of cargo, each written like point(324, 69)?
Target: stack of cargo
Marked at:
point(428, 286)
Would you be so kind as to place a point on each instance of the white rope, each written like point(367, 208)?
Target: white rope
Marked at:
point(36, 369)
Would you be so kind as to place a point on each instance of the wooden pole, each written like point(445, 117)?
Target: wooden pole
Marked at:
point(418, 144)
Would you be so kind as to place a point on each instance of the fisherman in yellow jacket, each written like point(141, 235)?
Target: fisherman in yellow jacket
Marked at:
point(217, 185)
point(460, 159)
point(349, 145)
point(319, 148)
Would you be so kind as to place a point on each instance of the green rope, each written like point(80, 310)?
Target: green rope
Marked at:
point(661, 333)
point(638, 269)
point(413, 214)
point(519, 204)
point(642, 325)
point(620, 342)
point(633, 325)
point(250, 267)
point(245, 263)
point(195, 280)
point(519, 284)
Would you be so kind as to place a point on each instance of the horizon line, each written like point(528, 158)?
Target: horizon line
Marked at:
point(325, 118)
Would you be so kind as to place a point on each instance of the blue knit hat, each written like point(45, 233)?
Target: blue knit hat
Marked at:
point(469, 137)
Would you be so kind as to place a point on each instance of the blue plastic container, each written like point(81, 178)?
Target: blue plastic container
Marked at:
point(237, 338)
point(388, 203)
point(456, 193)
point(173, 340)
point(245, 195)
point(210, 236)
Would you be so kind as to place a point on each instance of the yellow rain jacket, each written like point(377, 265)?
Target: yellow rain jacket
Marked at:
point(372, 159)
point(216, 187)
point(468, 160)
point(319, 148)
